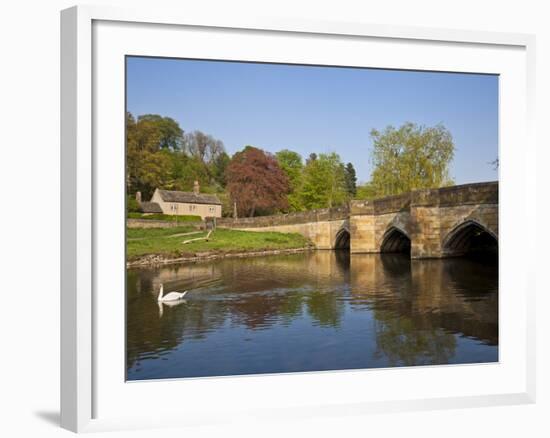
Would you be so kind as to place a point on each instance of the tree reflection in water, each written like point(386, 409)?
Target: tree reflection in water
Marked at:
point(408, 336)
point(313, 311)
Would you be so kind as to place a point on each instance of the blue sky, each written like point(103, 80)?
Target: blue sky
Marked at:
point(319, 109)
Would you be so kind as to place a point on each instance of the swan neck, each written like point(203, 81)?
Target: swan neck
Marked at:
point(161, 292)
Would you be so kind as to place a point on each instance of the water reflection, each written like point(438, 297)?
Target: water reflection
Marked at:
point(161, 305)
point(316, 311)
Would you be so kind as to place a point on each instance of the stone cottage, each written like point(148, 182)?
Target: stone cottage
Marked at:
point(178, 203)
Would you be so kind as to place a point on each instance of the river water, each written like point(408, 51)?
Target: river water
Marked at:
point(321, 310)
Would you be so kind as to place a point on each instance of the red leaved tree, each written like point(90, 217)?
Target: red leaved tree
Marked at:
point(256, 182)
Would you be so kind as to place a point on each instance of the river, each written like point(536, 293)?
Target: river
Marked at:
point(314, 311)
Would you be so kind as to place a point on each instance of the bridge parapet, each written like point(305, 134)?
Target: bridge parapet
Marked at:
point(358, 208)
point(300, 217)
point(466, 194)
point(385, 205)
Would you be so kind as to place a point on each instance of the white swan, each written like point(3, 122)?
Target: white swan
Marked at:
point(170, 296)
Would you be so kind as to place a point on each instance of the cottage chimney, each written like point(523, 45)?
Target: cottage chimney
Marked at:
point(138, 197)
point(196, 188)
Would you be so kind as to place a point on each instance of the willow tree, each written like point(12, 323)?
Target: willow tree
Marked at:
point(411, 157)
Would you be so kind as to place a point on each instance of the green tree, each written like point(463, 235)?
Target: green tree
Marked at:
point(170, 135)
point(210, 152)
point(324, 183)
point(158, 154)
point(146, 161)
point(351, 180)
point(291, 163)
point(411, 157)
point(185, 170)
point(132, 205)
point(365, 191)
point(218, 166)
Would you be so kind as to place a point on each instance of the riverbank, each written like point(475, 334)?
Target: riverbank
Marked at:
point(147, 247)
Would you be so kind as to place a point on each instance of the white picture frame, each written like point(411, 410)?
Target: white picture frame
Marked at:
point(92, 396)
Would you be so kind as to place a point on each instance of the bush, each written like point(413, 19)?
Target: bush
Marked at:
point(131, 204)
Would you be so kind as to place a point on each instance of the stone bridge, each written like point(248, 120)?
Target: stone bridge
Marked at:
point(430, 223)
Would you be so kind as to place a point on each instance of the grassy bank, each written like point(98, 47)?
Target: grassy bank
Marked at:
point(167, 242)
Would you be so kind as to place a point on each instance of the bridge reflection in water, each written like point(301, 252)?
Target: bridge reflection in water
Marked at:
point(322, 310)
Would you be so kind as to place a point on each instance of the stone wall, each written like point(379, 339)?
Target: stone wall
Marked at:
point(301, 217)
point(465, 194)
point(322, 234)
point(150, 223)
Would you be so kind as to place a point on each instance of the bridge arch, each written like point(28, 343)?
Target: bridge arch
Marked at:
point(395, 239)
point(342, 239)
point(470, 236)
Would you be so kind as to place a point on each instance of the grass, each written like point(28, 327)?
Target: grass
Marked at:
point(168, 241)
point(152, 233)
point(164, 217)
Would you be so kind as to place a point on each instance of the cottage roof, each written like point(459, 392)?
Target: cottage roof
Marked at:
point(150, 207)
point(188, 197)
